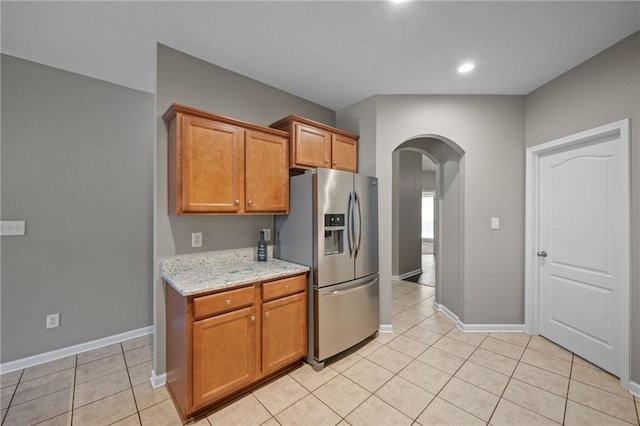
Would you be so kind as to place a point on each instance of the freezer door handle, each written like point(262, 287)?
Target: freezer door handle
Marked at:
point(351, 290)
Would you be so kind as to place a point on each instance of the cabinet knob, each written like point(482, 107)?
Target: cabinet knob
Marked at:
point(266, 314)
point(228, 301)
point(253, 317)
point(286, 287)
point(326, 161)
point(236, 202)
point(250, 202)
point(335, 163)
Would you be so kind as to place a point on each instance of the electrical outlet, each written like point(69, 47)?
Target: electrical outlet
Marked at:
point(196, 239)
point(267, 234)
point(53, 321)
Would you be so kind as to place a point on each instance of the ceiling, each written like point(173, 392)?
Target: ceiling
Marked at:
point(331, 52)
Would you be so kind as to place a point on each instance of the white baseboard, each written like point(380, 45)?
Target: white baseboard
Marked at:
point(385, 328)
point(493, 328)
point(30, 361)
point(634, 388)
point(478, 328)
point(157, 380)
point(406, 274)
point(453, 317)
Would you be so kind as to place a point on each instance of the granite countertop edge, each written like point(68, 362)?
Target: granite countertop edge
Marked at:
point(193, 275)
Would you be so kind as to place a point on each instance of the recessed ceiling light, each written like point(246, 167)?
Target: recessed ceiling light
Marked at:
point(466, 67)
point(398, 1)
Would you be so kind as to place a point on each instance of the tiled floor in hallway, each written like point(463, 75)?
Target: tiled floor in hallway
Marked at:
point(427, 372)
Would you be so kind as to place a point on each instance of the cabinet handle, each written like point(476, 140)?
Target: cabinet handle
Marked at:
point(250, 202)
point(236, 202)
point(253, 317)
point(286, 287)
point(266, 314)
point(228, 301)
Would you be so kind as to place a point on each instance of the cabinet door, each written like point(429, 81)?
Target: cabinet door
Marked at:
point(284, 332)
point(224, 355)
point(212, 166)
point(344, 153)
point(266, 173)
point(312, 147)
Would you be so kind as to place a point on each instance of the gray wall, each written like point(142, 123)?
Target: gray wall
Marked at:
point(77, 165)
point(193, 82)
point(490, 130)
point(360, 118)
point(407, 212)
point(428, 181)
point(602, 90)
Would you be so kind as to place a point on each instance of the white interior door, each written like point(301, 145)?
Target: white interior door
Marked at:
point(583, 248)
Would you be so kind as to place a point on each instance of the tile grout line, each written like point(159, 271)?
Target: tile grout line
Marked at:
point(529, 384)
point(135, 401)
point(12, 396)
point(387, 381)
point(449, 380)
point(73, 391)
point(311, 392)
point(72, 387)
point(509, 381)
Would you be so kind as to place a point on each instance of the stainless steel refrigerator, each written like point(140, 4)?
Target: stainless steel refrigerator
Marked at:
point(332, 228)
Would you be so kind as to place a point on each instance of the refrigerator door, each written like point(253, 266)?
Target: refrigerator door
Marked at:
point(366, 229)
point(345, 314)
point(333, 194)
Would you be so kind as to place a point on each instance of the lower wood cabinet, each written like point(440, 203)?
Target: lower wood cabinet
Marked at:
point(222, 344)
point(283, 340)
point(224, 354)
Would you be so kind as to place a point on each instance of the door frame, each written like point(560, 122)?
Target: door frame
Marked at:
point(618, 129)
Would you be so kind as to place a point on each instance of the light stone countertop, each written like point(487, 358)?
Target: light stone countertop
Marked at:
point(191, 275)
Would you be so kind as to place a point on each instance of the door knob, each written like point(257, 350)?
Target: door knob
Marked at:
point(542, 253)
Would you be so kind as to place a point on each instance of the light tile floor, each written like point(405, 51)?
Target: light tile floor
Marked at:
point(427, 372)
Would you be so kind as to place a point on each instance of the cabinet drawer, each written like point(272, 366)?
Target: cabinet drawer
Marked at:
point(222, 302)
point(284, 287)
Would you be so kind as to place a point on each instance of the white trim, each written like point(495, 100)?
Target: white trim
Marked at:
point(621, 130)
point(385, 329)
point(453, 317)
point(406, 274)
point(492, 328)
point(478, 328)
point(634, 388)
point(20, 364)
point(157, 380)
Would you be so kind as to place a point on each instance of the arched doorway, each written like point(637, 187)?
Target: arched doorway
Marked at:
point(449, 223)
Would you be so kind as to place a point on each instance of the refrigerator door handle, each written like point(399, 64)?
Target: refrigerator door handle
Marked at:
point(357, 244)
point(350, 239)
point(351, 289)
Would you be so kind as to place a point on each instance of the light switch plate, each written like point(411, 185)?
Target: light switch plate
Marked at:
point(12, 227)
point(495, 223)
point(267, 234)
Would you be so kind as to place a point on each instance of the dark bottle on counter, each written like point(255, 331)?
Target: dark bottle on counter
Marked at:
point(262, 248)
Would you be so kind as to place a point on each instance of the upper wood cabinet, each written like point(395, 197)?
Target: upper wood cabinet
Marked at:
point(315, 144)
point(218, 165)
